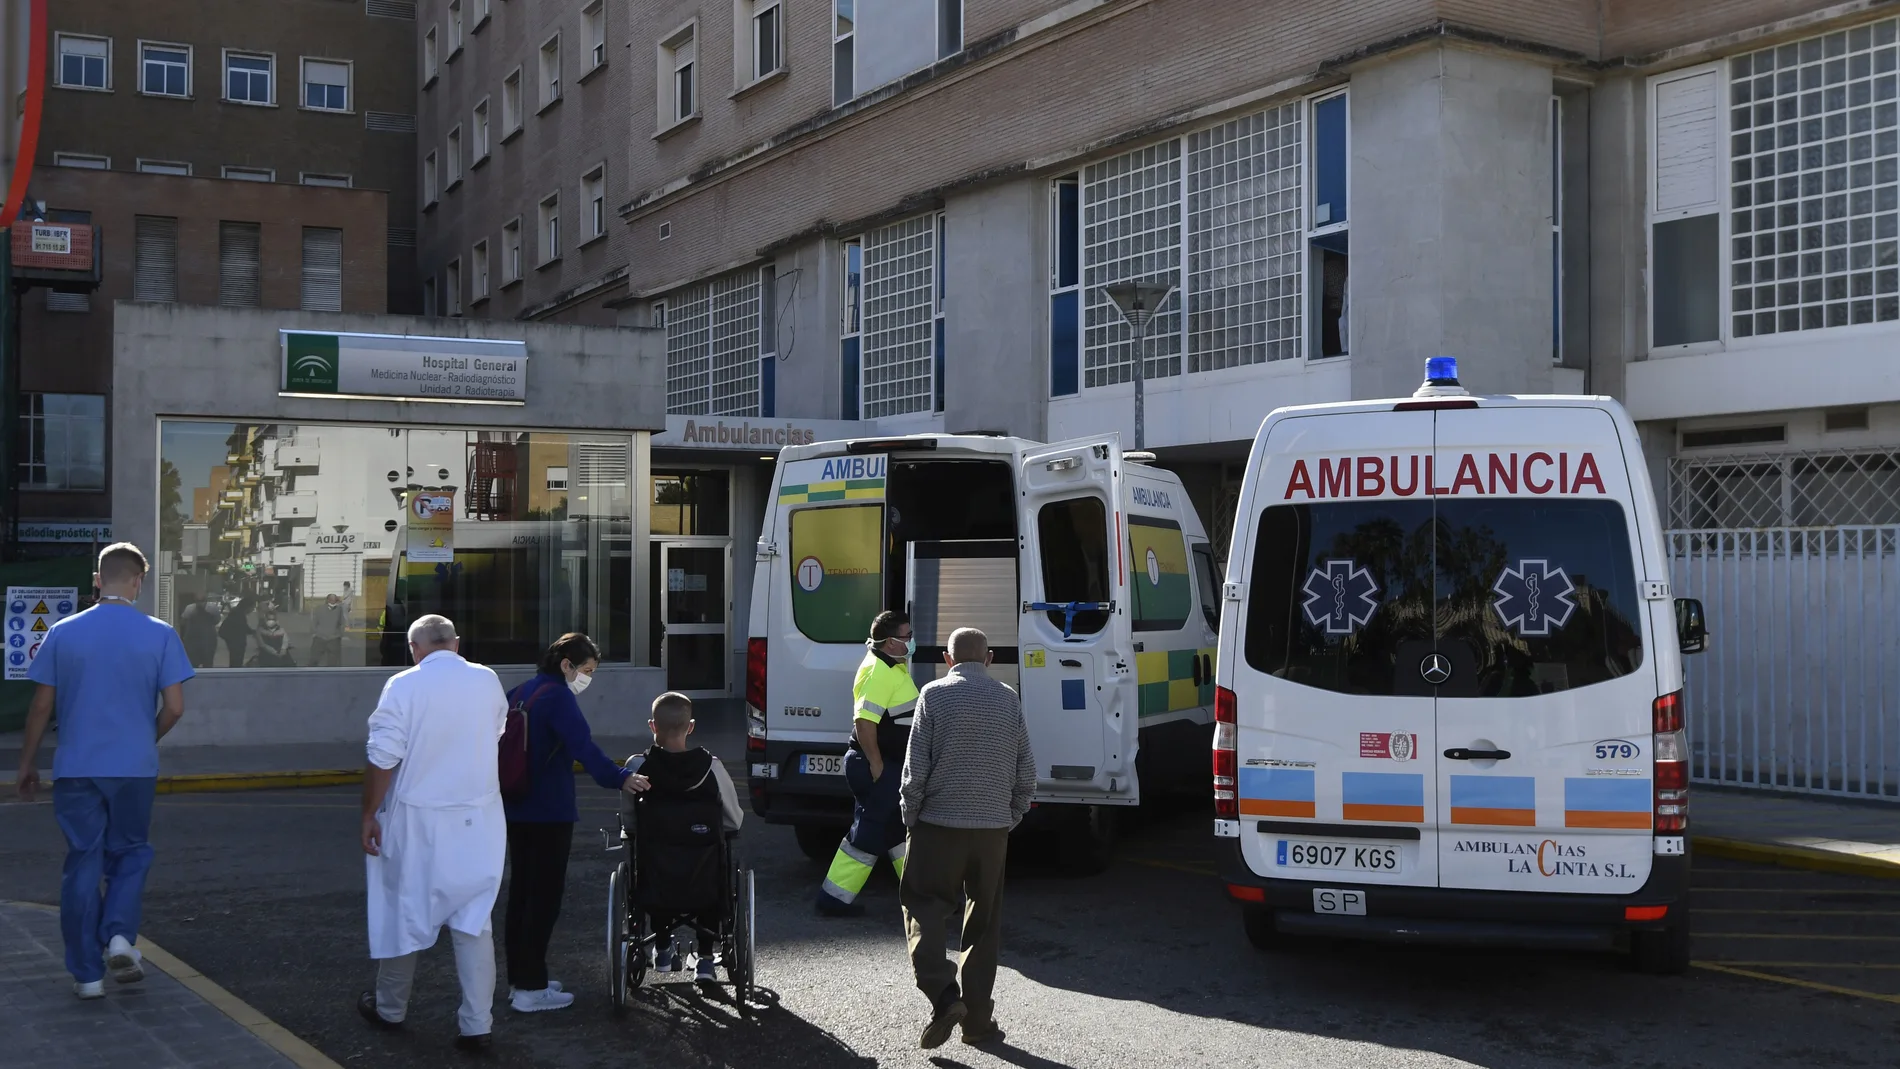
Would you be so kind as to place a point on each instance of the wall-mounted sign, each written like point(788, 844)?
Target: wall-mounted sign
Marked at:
point(432, 527)
point(66, 532)
point(700, 432)
point(52, 240)
point(405, 368)
point(31, 612)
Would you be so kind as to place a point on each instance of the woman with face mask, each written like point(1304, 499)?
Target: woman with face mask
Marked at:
point(541, 821)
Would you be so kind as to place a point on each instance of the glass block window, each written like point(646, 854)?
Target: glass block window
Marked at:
point(1244, 241)
point(1131, 229)
point(688, 369)
point(1815, 183)
point(899, 334)
point(734, 359)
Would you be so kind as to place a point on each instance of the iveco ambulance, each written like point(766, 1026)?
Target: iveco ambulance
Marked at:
point(1088, 569)
point(1449, 703)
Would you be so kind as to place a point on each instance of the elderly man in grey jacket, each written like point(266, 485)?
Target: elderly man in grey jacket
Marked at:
point(968, 779)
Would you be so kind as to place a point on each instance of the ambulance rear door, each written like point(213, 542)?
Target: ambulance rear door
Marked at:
point(1544, 712)
point(1077, 654)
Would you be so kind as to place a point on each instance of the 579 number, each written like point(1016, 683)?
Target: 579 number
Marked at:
point(1614, 749)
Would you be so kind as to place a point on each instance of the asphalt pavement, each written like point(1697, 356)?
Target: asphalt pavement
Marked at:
point(1143, 965)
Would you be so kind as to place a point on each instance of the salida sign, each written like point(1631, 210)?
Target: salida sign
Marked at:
point(1474, 474)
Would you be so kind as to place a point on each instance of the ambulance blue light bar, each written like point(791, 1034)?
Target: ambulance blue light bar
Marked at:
point(1442, 371)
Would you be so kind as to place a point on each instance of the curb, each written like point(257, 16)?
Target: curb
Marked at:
point(1796, 857)
point(215, 782)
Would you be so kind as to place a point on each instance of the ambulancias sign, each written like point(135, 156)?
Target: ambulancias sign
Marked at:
point(403, 367)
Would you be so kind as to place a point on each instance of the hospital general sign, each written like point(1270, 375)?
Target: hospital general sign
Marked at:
point(404, 367)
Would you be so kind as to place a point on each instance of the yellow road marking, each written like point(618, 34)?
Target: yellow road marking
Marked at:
point(1812, 985)
point(1797, 935)
point(1813, 964)
point(1793, 890)
point(1806, 912)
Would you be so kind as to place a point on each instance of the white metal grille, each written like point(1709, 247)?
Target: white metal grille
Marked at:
point(239, 281)
point(899, 361)
point(1794, 489)
point(688, 371)
point(1816, 208)
point(322, 269)
point(1131, 229)
point(1244, 240)
point(1797, 690)
point(734, 358)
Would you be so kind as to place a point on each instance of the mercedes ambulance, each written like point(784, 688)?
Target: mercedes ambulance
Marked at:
point(1088, 569)
point(1449, 683)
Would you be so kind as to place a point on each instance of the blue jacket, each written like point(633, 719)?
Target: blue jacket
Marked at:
point(558, 736)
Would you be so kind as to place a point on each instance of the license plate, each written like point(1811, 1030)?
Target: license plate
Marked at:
point(1335, 900)
point(820, 764)
point(1357, 857)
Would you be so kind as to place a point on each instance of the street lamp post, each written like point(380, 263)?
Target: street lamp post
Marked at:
point(1138, 302)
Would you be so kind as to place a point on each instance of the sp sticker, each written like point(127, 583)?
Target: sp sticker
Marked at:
point(1396, 746)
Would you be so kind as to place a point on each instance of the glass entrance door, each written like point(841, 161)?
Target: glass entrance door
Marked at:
point(693, 616)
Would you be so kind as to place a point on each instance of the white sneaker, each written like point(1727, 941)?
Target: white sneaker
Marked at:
point(90, 989)
point(125, 961)
point(553, 985)
point(540, 1001)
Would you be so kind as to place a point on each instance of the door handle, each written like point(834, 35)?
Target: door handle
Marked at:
point(1197, 670)
point(1459, 753)
point(1067, 663)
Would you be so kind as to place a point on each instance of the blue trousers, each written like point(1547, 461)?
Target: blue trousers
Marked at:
point(105, 821)
point(877, 828)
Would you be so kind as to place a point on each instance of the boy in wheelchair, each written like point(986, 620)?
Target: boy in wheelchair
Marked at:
point(682, 859)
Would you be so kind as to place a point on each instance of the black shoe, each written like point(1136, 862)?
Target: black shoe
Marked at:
point(474, 1044)
point(950, 1012)
point(366, 1006)
point(830, 907)
point(980, 1035)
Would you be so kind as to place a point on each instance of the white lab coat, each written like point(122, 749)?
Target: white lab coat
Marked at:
point(444, 834)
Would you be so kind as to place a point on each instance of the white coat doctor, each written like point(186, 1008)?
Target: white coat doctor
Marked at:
point(433, 829)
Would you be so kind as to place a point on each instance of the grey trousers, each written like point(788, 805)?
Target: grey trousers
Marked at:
point(474, 967)
point(946, 866)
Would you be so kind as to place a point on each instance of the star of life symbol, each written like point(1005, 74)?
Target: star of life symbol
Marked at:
point(1340, 596)
point(1534, 598)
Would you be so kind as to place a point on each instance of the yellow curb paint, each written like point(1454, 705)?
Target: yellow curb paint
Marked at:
point(1811, 964)
point(269, 1032)
point(1799, 935)
point(1811, 985)
point(204, 783)
point(1797, 857)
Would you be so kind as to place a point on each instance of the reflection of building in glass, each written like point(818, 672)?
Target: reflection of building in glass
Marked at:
point(282, 518)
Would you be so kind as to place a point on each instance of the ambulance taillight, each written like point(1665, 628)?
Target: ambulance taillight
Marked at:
point(755, 695)
point(1226, 725)
point(1672, 766)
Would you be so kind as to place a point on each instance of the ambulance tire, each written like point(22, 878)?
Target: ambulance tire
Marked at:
point(1662, 953)
point(1261, 931)
point(1088, 843)
point(818, 841)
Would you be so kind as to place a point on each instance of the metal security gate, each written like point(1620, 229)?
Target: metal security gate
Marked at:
point(1800, 687)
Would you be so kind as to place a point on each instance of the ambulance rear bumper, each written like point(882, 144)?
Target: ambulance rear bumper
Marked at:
point(1466, 917)
point(788, 796)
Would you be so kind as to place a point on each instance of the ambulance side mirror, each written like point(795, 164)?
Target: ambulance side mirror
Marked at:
point(1691, 629)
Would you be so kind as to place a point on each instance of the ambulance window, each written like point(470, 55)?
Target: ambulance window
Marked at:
point(1340, 596)
point(1161, 591)
point(1208, 582)
point(837, 571)
point(1073, 538)
point(1536, 596)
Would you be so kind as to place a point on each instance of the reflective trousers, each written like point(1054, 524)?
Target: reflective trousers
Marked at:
point(877, 828)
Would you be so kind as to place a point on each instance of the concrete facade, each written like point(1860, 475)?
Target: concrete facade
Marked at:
point(178, 361)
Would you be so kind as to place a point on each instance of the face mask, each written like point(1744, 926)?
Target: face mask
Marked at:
point(910, 647)
point(580, 682)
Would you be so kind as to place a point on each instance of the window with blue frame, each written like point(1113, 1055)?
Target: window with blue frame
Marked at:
point(167, 71)
point(938, 305)
point(84, 62)
point(1327, 230)
point(850, 329)
point(1065, 277)
point(247, 78)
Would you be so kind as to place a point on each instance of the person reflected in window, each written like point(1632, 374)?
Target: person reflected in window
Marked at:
point(273, 643)
point(235, 630)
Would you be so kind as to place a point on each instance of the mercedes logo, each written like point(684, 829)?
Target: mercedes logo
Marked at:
point(1436, 668)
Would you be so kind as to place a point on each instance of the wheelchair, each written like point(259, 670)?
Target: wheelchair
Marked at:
point(679, 865)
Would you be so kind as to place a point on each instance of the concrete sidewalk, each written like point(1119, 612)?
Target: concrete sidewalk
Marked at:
point(1862, 838)
point(174, 1018)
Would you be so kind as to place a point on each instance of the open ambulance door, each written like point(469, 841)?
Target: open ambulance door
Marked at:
point(1075, 646)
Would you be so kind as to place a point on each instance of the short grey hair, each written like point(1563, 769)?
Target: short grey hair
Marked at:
point(968, 644)
point(431, 632)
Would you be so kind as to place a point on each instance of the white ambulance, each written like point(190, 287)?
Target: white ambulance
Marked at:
point(1449, 703)
point(1088, 569)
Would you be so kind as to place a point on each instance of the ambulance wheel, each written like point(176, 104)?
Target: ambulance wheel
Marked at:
point(1261, 931)
point(1088, 844)
point(1665, 952)
point(818, 841)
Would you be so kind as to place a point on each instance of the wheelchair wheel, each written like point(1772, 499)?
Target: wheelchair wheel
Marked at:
point(617, 941)
point(742, 971)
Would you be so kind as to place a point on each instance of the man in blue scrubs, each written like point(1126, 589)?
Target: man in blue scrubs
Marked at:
point(117, 678)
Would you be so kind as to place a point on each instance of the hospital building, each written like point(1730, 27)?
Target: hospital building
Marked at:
point(790, 220)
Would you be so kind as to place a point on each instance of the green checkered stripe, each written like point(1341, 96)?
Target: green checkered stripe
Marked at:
point(844, 490)
point(1165, 681)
